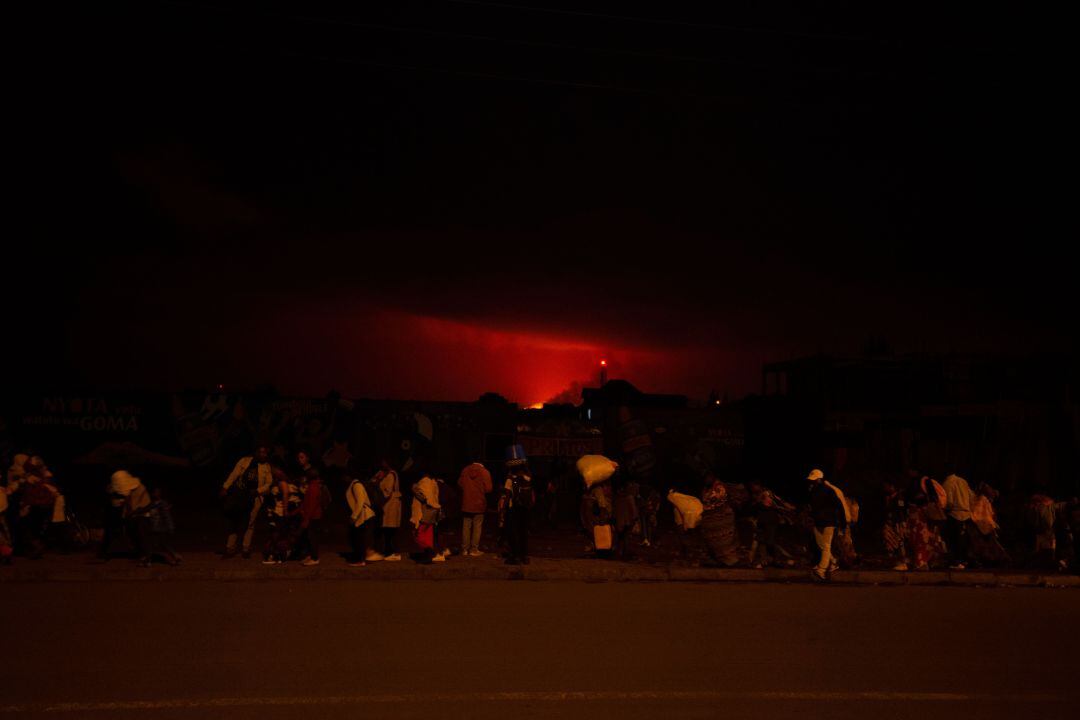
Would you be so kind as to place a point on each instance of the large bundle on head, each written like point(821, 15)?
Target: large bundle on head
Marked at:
point(595, 469)
point(688, 509)
point(122, 483)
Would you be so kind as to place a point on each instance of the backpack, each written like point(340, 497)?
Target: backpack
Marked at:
point(375, 495)
point(521, 492)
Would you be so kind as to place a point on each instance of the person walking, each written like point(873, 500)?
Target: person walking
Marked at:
point(424, 516)
point(136, 521)
point(599, 515)
point(7, 547)
point(390, 489)
point(520, 498)
point(449, 508)
point(283, 506)
point(958, 500)
point(243, 493)
point(314, 505)
point(687, 511)
point(9, 520)
point(767, 510)
point(120, 486)
point(984, 547)
point(475, 484)
point(929, 496)
point(649, 502)
point(718, 524)
point(925, 514)
point(626, 515)
point(361, 525)
point(38, 497)
point(1045, 519)
point(894, 529)
point(160, 529)
point(828, 516)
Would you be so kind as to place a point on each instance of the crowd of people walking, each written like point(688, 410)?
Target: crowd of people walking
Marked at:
point(283, 503)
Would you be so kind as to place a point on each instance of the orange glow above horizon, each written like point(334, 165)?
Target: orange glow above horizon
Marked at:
point(367, 351)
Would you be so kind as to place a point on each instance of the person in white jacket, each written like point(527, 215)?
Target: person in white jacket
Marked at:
point(243, 492)
point(361, 526)
point(424, 516)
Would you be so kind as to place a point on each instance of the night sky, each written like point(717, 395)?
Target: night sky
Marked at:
point(436, 199)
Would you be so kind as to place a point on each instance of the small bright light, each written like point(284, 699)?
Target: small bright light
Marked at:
point(717, 402)
point(536, 406)
point(603, 362)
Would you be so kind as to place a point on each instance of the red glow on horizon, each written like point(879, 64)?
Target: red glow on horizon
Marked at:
point(367, 351)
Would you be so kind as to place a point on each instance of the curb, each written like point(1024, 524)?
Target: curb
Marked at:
point(589, 571)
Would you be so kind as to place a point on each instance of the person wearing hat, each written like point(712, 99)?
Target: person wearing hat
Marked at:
point(828, 515)
point(520, 497)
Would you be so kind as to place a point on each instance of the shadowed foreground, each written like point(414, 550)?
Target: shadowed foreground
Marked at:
point(524, 649)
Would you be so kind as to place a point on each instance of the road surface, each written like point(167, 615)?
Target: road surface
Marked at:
point(335, 649)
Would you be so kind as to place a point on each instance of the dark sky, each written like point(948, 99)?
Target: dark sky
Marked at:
point(434, 199)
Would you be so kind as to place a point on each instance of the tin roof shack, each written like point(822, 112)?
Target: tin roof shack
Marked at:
point(656, 435)
point(1012, 422)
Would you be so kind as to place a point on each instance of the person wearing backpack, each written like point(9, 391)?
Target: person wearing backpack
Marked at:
point(314, 505)
point(361, 525)
point(426, 510)
point(828, 516)
point(390, 492)
point(520, 498)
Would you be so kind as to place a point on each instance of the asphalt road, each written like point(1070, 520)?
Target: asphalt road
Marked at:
point(535, 649)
